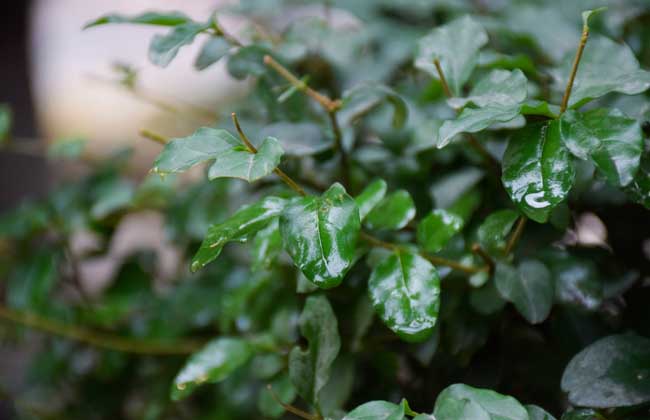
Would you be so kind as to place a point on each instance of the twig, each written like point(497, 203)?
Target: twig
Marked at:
point(443, 80)
point(97, 339)
point(574, 68)
point(489, 262)
point(154, 136)
point(519, 229)
point(288, 407)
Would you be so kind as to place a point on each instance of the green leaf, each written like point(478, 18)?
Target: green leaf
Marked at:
point(148, 18)
point(247, 220)
point(266, 246)
point(299, 138)
point(606, 66)
point(238, 162)
point(164, 48)
point(456, 46)
point(267, 405)
point(214, 363)
point(367, 94)
point(639, 189)
point(612, 372)
point(405, 292)
point(310, 369)
point(232, 159)
point(437, 228)
point(494, 230)
point(537, 170)
point(577, 282)
point(247, 61)
point(377, 410)
point(461, 401)
point(538, 413)
point(211, 52)
point(112, 196)
point(473, 120)
point(320, 235)
point(612, 141)
point(32, 281)
point(543, 108)
point(497, 88)
point(393, 212)
point(529, 287)
point(6, 117)
point(370, 197)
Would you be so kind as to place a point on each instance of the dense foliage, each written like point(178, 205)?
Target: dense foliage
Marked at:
point(407, 217)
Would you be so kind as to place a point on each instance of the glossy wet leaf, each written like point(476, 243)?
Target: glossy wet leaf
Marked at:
point(612, 141)
point(377, 410)
point(606, 66)
point(310, 369)
point(497, 88)
point(405, 292)
point(370, 197)
point(239, 162)
point(393, 212)
point(612, 372)
point(538, 413)
point(461, 401)
point(147, 18)
point(211, 52)
point(247, 61)
point(437, 228)
point(267, 245)
point(214, 363)
point(320, 234)
point(529, 286)
point(247, 220)
point(494, 230)
point(366, 95)
point(6, 118)
point(537, 170)
point(473, 120)
point(456, 45)
point(164, 48)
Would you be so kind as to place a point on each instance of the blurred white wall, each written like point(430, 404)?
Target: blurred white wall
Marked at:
point(65, 60)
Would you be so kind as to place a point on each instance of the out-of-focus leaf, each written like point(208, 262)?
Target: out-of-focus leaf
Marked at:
point(538, 413)
point(6, 118)
point(537, 170)
point(71, 148)
point(310, 369)
point(456, 46)
point(164, 48)
point(493, 231)
point(212, 364)
point(148, 18)
point(405, 291)
point(368, 94)
point(30, 284)
point(497, 88)
point(248, 220)
point(247, 61)
point(461, 401)
point(320, 235)
point(285, 391)
point(529, 287)
point(612, 372)
point(211, 52)
point(393, 212)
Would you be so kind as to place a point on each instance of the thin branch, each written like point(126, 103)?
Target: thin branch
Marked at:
point(443, 80)
point(489, 262)
point(97, 339)
point(154, 136)
point(519, 229)
point(574, 68)
point(327, 103)
point(288, 407)
point(242, 136)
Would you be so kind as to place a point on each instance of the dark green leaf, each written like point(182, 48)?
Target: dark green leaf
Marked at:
point(211, 52)
point(370, 197)
point(320, 235)
point(376, 410)
point(494, 230)
point(30, 284)
point(148, 18)
point(582, 414)
point(238, 162)
point(212, 364)
point(538, 413)
point(437, 228)
point(605, 67)
point(366, 95)
point(537, 170)
point(639, 189)
point(164, 48)
point(310, 369)
point(405, 291)
point(454, 185)
point(611, 140)
point(393, 212)
point(473, 120)
point(497, 88)
point(529, 287)
point(461, 401)
point(248, 220)
point(612, 372)
point(6, 118)
point(456, 46)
